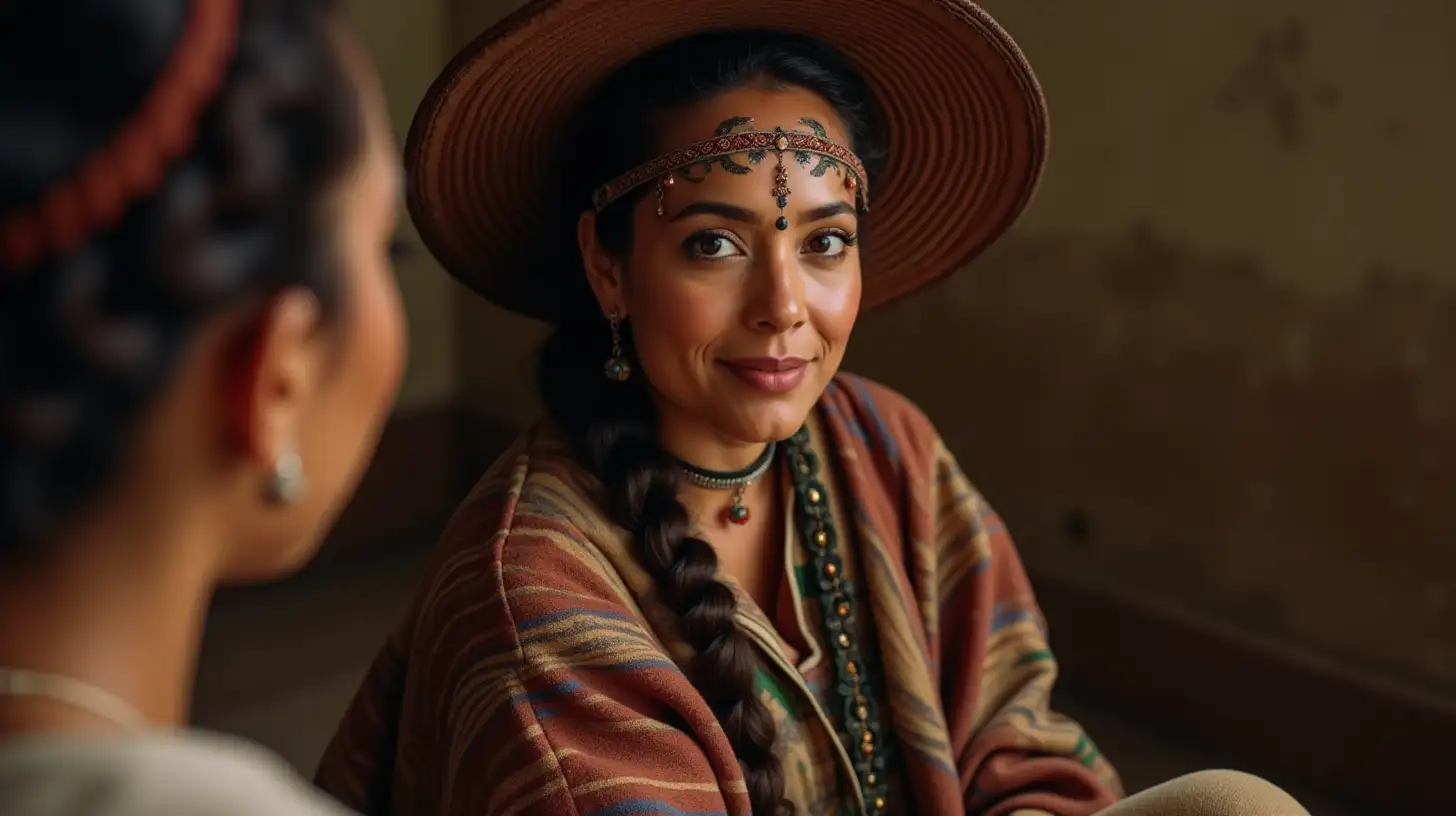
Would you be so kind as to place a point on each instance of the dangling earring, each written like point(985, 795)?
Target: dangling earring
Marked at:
point(617, 368)
point(287, 484)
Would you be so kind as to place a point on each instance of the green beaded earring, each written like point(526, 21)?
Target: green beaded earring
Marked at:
point(617, 368)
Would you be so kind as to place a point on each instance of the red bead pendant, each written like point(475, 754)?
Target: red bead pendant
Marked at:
point(738, 514)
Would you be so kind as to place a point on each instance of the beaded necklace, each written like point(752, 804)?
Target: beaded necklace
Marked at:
point(859, 714)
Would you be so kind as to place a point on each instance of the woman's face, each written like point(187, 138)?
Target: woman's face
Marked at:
point(352, 389)
point(739, 325)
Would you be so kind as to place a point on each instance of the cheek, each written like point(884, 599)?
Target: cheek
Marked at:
point(376, 337)
point(834, 301)
point(675, 316)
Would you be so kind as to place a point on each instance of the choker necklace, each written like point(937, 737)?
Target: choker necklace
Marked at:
point(735, 480)
point(72, 692)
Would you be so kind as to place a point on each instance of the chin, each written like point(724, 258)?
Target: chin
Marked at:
point(271, 563)
point(771, 423)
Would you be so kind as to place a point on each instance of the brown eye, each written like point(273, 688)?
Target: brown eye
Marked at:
point(831, 243)
point(710, 246)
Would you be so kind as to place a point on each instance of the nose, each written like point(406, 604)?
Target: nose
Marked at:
point(777, 305)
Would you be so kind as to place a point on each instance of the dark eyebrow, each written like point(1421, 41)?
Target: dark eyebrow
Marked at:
point(747, 216)
point(829, 211)
point(728, 211)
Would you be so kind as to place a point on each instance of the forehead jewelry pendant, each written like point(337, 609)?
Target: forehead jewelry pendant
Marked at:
point(781, 178)
point(662, 184)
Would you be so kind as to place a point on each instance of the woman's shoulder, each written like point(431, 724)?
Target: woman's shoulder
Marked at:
point(143, 775)
point(879, 416)
point(536, 479)
point(530, 534)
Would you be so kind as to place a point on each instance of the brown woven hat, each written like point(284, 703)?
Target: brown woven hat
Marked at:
point(966, 122)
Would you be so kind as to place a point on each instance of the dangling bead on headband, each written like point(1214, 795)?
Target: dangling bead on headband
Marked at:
point(135, 162)
point(781, 178)
point(662, 185)
point(730, 142)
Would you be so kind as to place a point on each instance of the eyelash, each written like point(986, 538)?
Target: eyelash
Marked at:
point(850, 240)
point(691, 244)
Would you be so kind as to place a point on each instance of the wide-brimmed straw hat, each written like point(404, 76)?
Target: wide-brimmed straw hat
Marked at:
point(966, 122)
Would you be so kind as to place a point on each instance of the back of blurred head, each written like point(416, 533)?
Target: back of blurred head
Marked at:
point(198, 376)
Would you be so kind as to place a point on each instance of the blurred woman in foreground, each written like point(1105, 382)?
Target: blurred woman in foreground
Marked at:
point(200, 337)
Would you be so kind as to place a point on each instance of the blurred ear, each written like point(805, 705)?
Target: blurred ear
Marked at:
point(283, 358)
point(603, 271)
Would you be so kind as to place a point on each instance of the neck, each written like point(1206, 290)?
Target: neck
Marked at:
point(118, 606)
point(705, 448)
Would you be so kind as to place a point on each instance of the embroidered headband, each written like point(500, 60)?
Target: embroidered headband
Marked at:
point(134, 163)
point(813, 148)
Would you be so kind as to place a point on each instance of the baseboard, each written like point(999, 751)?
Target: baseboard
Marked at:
point(1279, 710)
point(1274, 708)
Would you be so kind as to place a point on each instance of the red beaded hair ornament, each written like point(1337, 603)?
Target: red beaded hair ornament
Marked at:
point(134, 163)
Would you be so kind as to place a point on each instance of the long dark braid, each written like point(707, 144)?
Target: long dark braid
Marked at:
point(88, 339)
point(614, 425)
point(617, 438)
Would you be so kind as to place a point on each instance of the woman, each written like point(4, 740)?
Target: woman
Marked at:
point(200, 337)
point(723, 577)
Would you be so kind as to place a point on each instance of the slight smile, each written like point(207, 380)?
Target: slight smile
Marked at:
point(771, 375)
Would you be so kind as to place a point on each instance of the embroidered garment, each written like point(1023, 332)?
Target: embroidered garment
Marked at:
point(537, 673)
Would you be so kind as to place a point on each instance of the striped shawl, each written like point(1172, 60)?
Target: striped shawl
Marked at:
point(536, 672)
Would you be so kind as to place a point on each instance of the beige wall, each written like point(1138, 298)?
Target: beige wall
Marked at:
point(408, 43)
point(1221, 341)
point(1211, 364)
point(496, 347)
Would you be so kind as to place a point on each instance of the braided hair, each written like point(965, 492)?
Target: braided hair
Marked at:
point(89, 338)
point(614, 425)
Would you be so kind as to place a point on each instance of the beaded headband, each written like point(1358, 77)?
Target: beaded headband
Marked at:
point(814, 148)
point(134, 163)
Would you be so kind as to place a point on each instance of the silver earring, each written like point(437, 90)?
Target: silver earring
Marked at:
point(288, 484)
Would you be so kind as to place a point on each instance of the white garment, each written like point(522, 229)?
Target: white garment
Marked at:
point(186, 774)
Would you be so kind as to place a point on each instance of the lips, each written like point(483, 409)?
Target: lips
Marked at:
point(769, 364)
point(769, 375)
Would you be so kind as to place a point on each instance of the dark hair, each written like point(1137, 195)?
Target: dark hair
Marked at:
point(89, 338)
point(614, 425)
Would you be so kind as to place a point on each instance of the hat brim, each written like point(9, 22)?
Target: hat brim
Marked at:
point(964, 114)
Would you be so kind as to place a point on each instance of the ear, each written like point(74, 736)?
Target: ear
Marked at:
point(285, 359)
point(603, 271)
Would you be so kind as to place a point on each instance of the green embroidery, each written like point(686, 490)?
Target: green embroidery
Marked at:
point(727, 126)
point(770, 685)
point(1039, 656)
point(814, 126)
point(825, 163)
point(729, 163)
point(807, 580)
point(695, 173)
point(1086, 751)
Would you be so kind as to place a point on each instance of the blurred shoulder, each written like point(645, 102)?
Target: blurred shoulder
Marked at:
point(145, 775)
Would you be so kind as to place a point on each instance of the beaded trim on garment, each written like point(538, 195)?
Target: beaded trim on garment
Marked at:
point(859, 715)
